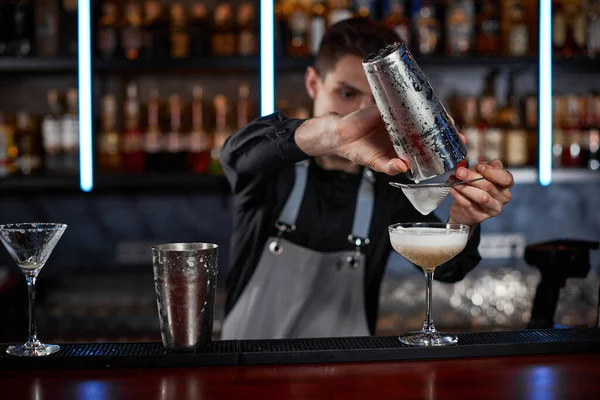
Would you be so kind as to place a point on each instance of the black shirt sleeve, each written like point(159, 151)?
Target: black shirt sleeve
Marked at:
point(255, 154)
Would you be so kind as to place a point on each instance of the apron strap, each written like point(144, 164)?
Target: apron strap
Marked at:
point(290, 211)
point(362, 214)
point(364, 206)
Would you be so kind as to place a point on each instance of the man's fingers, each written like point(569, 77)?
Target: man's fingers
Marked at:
point(494, 173)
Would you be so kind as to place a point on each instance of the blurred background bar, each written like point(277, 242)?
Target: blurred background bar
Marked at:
point(172, 79)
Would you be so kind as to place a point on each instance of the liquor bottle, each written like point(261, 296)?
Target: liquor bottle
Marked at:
point(68, 24)
point(488, 29)
point(199, 30)
point(572, 152)
point(396, 19)
point(531, 125)
point(593, 29)
point(578, 27)
point(133, 155)
point(46, 28)
point(108, 31)
point(299, 25)
point(459, 27)
point(180, 37)
point(198, 158)
point(518, 33)
point(244, 105)
point(594, 149)
point(51, 134)
point(280, 29)
point(589, 134)
point(222, 132)
point(427, 29)
point(22, 38)
point(593, 132)
point(340, 10)
point(558, 104)
point(318, 25)
point(470, 130)
point(517, 149)
point(156, 32)
point(153, 138)
point(492, 138)
point(109, 146)
point(365, 8)
point(248, 37)
point(28, 146)
point(224, 35)
point(8, 147)
point(70, 133)
point(559, 28)
point(175, 143)
point(131, 31)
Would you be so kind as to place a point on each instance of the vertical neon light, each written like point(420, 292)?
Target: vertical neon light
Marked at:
point(84, 54)
point(545, 94)
point(267, 67)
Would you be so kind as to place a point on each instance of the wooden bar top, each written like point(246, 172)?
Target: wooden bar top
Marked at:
point(566, 376)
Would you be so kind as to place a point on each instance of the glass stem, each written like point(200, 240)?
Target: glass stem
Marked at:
point(428, 324)
point(32, 339)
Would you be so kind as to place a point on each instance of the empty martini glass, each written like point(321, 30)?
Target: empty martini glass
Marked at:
point(428, 245)
point(30, 245)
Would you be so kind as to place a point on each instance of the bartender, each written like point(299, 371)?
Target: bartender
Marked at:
point(312, 204)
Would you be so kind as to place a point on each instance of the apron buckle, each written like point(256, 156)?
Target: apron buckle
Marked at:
point(354, 260)
point(274, 246)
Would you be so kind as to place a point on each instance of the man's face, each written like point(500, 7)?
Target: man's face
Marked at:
point(342, 90)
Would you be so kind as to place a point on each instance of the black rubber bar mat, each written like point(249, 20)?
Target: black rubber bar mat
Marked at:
point(124, 355)
point(300, 351)
point(390, 349)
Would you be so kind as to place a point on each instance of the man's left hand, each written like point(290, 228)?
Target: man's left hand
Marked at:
point(477, 201)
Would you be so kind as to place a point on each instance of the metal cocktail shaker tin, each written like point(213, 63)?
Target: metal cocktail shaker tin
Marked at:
point(417, 122)
point(185, 280)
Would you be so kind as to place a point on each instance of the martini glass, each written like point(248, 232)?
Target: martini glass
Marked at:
point(30, 245)
point(428, 245)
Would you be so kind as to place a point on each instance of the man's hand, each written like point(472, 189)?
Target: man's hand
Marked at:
point(477, 201)
point(360, 137)
point(364, 140)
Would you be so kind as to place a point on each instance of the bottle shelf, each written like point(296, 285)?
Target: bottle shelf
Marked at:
point(529, 175)
point(290, 64)
point(39, 184)
point(190, 183)
point(38, 64)
point(157, 182)
point(211, 64)
point(577, 64)
point(121, 182)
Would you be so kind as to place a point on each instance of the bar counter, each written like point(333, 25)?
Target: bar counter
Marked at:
point(536, 364)
point(567, 376)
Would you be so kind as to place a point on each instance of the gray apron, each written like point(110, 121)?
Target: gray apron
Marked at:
point(296, 292)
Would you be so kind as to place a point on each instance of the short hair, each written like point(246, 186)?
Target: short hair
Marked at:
point(358, 36)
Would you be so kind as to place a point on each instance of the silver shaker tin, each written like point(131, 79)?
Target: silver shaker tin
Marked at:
point(417, 122)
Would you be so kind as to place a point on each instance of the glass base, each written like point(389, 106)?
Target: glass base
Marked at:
point(428, 339)
point(35, 350)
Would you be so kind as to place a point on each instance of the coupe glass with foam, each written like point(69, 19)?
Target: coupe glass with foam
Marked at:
point(30, 245)
point(428, 245)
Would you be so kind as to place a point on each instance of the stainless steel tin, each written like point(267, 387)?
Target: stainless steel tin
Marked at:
point(417, 122)
point(185, 280)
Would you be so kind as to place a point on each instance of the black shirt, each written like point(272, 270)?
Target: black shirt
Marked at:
point(259, 164)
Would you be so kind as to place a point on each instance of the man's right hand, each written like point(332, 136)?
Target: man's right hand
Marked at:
point(360, 137)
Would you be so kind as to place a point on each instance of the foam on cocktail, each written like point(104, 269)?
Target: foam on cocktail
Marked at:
point(428, 247)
